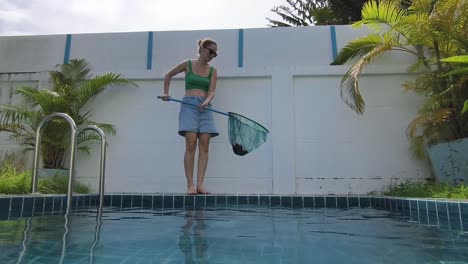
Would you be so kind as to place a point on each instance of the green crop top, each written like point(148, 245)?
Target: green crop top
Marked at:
point(194, 81)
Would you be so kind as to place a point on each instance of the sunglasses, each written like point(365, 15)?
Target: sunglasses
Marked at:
point(212, 52)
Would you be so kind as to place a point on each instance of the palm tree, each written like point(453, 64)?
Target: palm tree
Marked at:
point(72, 88)
point(300, 13)
point(316, 12)
point(431, 30)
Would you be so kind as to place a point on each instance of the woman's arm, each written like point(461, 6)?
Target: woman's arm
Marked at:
point(167, 78)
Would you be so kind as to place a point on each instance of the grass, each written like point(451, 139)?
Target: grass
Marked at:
point(16, 181)
point(12, 180)
point(427, 190)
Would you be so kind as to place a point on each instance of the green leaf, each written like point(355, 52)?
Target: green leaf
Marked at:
point(457, 59)
point(465, 107)
point(456, 72)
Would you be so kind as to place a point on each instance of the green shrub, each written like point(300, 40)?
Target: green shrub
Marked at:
point(13, 181)
point(16, 181)
point(59, 184)
point(427, 190)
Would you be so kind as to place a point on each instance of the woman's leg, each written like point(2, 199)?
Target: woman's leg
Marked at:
point(203, 145)
point(189, 157)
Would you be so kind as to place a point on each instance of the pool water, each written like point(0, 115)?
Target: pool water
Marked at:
point(235, 234)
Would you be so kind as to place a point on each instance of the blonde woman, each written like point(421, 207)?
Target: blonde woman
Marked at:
point(196, 124)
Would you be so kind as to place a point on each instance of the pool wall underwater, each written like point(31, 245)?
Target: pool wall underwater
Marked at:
point(440, 213)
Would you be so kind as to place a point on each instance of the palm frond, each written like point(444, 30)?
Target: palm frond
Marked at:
point(18, 133)
point(287, 15)
point(349, 88)
point(88, 136)
point(428, 120)
point(48, 100)
point(108, 129)
point(11, 128)
point(424, 84)
point(411, 86)
point(358, 47)
point(23, 138)
point(416, 66)
point(421, 6)
point(277, 23)
point(414, 29)
point(381, 12)
point(418, 147)
point(29, 93)
point(84, 148)
point(73, 74)
point(14, 114)
point(96, 85)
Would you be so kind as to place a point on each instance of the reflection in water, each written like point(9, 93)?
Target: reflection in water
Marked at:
point(97, 232)
point(25, 239)
point(64, 238)
point(227, 235)
point(192, 237)
point(27, 242)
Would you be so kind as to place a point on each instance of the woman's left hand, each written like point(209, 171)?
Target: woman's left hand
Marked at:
point(203, 105)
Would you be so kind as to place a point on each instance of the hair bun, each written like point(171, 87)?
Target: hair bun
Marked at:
point(206, 42)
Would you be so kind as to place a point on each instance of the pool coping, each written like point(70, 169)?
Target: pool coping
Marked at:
point(434, 212)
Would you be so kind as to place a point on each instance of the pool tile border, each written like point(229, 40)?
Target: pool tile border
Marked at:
point(440, 213)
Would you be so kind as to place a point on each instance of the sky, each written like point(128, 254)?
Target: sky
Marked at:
point(48, 17)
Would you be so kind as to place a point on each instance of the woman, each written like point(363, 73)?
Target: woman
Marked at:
point(196, 124)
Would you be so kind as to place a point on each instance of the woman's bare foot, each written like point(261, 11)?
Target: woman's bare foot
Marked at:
point(202, 190)
point(191, 190)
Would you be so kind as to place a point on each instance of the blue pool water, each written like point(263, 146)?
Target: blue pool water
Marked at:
point(228, 235)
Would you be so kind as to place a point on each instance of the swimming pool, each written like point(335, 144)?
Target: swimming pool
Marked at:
point(227, 233)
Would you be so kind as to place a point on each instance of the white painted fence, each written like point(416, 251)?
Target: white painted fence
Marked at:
point(278, 76)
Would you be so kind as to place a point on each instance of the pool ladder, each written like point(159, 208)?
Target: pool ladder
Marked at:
point(73, 142)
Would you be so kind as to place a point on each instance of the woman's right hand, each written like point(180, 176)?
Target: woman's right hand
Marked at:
point(164, 97)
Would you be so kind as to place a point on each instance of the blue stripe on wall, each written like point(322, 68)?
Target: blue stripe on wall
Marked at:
point(149, 53)
point(66, 57)
point(333, 41)
point(241, 48)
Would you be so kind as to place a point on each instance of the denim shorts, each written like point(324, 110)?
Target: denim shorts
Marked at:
point(191, 119)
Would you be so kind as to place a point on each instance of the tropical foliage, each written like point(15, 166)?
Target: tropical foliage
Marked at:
point(427, 190)
point(15, 180)
point(431, 31)
point(72, 88)
point(460, 71)
point(316, 12)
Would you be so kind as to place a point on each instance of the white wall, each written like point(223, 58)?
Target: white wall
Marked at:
point(316, 145)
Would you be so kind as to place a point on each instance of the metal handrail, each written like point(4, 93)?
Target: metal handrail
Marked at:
point(72, 154)
point(103, 159)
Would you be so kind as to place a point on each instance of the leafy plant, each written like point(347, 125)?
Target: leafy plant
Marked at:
point(72, 88)
point(427, 190)
point(460, 71)
point(430, 30)
point(13, 180)
point(17, 181)
point(59, 184)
